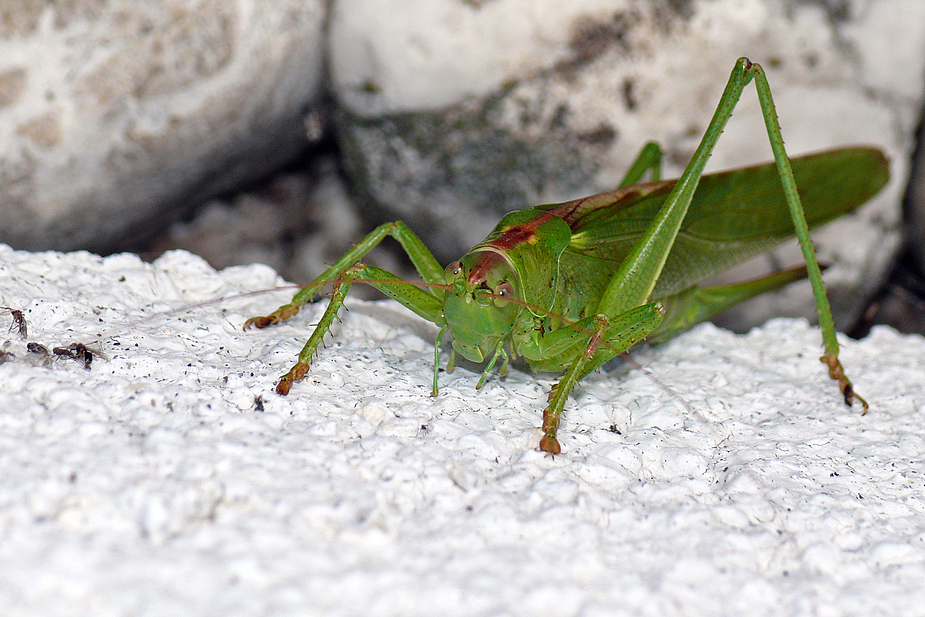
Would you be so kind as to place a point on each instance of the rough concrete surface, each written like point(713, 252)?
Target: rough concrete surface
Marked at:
point(170, 479)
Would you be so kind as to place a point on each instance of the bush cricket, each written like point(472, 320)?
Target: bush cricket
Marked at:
point(569, 286)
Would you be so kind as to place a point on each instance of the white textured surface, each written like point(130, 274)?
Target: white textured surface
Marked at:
point(115, 115)
point(153, 485)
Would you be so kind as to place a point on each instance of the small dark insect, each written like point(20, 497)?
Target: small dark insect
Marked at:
point(19, 321)
point(77, 351)
point(37, 348)
point(39, 354)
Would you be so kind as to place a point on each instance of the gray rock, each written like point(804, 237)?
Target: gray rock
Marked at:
point(915, 201)
point(452, 112)
point(115, 116)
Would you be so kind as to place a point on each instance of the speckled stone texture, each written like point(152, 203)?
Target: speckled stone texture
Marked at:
point(171, 479)
point(117, 115)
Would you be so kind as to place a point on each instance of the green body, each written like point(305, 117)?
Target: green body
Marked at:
point(561, 257)
point(569, 286)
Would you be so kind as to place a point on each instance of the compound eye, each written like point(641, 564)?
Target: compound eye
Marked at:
point(503, 294)
point(453, 271)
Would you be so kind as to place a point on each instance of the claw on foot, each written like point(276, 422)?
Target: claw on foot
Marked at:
point(550, 445)
point(280, 314)
point(297, 373)
point(259, 322)
point(837, 373)
point(284, 385)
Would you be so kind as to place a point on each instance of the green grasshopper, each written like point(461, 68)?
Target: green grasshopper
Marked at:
point(569, 286)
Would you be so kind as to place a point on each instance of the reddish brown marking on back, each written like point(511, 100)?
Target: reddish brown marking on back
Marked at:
point(566, 210)
point(486, 261)
point(518, 234)
point(492, 253)
point(573, 211)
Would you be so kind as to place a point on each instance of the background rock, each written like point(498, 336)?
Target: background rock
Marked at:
point(296, 223)
point(915, 201)
point(116, 119)
point(452, 112)
point(117, 115)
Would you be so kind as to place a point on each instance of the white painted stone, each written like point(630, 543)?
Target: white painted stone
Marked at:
point(454, 111)
point(117, 115)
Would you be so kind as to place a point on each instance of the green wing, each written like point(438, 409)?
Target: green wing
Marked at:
point(734, 214)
